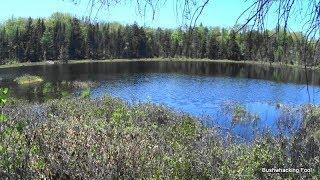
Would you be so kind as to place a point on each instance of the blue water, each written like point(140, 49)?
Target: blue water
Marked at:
point(209, 97)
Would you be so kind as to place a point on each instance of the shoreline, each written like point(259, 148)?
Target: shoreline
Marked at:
point(259, 63)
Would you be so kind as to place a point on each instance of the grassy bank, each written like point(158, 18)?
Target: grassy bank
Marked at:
point(97, 139)
point(262, 63)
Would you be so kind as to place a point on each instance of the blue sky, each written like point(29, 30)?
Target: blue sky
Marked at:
point(218, 13)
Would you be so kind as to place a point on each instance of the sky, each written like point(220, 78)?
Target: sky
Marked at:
point(223, 13)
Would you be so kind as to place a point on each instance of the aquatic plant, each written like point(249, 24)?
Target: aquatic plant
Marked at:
point(83, 84)
point(12, 62)
point(28, 79)
point(85, 93)
point(240, 115)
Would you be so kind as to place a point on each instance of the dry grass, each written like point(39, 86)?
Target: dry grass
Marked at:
point(107, 139)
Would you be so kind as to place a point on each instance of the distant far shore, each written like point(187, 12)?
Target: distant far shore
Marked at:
point(50, 62)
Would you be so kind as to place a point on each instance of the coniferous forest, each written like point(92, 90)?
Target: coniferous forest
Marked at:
point(63, 37)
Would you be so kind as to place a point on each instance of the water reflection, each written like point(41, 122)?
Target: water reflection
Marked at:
point(220, 91)
point(43, 91)
point(99, 70)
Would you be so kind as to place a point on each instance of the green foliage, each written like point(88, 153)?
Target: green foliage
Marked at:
point(47, 88)
point(279, 53)
point(187, 128)
point(214, 51)
point(3, 100)
point(234, 51)
point(86, 93)
point(3, 96)
point(176, 37)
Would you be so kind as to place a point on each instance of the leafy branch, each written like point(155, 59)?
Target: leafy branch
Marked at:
point(3, 100)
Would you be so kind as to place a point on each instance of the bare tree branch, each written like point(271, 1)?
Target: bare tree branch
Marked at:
point(189, 10)
point(307, 10)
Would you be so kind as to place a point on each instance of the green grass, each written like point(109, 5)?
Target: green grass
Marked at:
point(28, 79)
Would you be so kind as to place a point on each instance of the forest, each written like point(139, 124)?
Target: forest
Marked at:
point(63, 37)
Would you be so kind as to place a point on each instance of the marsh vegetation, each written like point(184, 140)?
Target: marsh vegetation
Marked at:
point(107, 138)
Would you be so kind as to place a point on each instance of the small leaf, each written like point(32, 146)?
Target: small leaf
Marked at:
point(3, 101)
point(3, 118)
point(5, 90)
point(20, 126)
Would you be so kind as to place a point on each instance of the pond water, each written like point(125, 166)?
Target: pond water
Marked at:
point(219, 93)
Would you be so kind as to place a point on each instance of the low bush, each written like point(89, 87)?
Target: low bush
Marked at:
point(81, 138)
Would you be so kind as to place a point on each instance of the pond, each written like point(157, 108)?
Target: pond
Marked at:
point(236, 97)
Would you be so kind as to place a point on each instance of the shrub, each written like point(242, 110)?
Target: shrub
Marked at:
point(83, 138)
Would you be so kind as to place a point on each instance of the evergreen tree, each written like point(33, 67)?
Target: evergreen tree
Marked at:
point(106, 41)
point(29, 41)
point(38, 34)
point(213, 48)
point(75, 51)
point(142, 47)
point(91, 43)
point(3, 46)
point(234, 52)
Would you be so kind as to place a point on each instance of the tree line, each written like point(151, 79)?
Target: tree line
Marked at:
point(63, 37)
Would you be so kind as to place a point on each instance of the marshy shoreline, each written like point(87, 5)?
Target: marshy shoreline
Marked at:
point(83, 138)
point(246, 62)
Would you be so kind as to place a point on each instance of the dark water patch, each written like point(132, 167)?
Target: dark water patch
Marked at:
point(99, 70)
